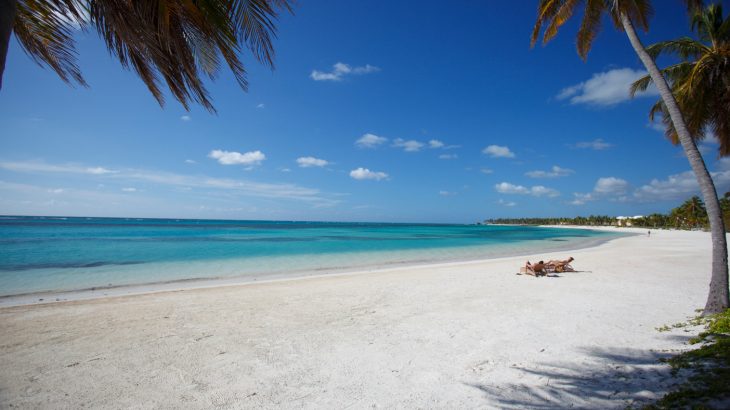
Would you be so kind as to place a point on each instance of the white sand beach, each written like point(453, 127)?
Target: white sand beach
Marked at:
point(458, 335)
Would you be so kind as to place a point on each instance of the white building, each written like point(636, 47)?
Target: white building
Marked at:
point(626, 220)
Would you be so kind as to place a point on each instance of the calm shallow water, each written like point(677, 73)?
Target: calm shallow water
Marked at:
point(56, 254)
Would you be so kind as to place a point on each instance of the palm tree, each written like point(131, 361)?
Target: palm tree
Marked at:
point(690, 215)
point(625, 14)
point(701, 82)
point(176, 41)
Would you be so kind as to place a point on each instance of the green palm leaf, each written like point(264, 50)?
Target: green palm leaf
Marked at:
point(45, 32)
point(701, 82)
point(175, 42)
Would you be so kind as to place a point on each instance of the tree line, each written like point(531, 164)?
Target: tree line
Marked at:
point(690, 215)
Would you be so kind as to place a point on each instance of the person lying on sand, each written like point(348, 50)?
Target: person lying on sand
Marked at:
point(561, 266)
point(536, 269)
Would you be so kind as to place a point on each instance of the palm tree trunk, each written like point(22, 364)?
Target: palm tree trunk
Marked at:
point(7, 17)
point(717, 299)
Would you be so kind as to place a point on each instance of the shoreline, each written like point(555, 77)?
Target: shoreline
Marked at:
point(103, 292)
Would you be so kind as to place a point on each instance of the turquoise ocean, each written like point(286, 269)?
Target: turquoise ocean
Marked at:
point(39, 254)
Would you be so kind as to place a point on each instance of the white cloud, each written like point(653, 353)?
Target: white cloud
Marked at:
point(448, 156)
point(538, 190)
point(34, 166)
point(236, 158)
point(610, 186)
point(446, 193)
point(186, 118)
point(597, 144)
point(507, 188)
point(129, 189)
point(364, 173)
point(340, 70)
point(435, 144)
point(581, 199)
point(708, 144)
point(306, 162)
point(486, 171)
point(506, 203)
point(408, 146)
point(260, 105)
point(285, 170)
point(56, 191)
point(679, 187)
point(240, 187)
point(606, 187)
point(723, 164)
point(99, 171)
point(190, 161)
point(498, 151)
point(370, 141)
point(366, 69)
point(554, 172)
point(711, 138)
point(605, 89)
point(321, 76)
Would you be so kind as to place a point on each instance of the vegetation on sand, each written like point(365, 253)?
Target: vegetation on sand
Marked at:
point(708, 385)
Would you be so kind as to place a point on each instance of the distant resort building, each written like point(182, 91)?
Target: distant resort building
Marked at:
point(626, 220)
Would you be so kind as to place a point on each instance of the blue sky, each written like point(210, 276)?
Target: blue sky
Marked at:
point(376, 111)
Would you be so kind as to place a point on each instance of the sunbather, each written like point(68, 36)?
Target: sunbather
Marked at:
point(536, 269)
point(561, 266)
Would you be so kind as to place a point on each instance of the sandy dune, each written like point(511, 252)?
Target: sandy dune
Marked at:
point(468, 335)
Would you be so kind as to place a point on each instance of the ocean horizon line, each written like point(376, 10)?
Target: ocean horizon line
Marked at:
point(133, 218)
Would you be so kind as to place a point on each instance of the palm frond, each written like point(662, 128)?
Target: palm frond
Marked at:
point(669, 132)
point(178, 41)
point(721, 126)
point(546, 9)
point(723, 32)
point(707, 22)
point(697, 78)
point(693, 5)
point(684, 47)
point(640, 13)
point(675, 74)
point(561, 16)
point(701, 82)
point(44, 29)
point(589, 27)
point(254, 21)
point(639, 85)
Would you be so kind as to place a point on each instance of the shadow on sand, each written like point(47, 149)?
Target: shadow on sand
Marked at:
point(605, 378)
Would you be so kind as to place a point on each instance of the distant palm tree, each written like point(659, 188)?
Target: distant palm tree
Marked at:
point(176, 41)
point(690, 215)
point(701, 82)
point(624, 14)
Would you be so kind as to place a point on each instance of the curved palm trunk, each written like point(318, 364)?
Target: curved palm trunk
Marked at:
point(7, 16)
point(717, 299)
